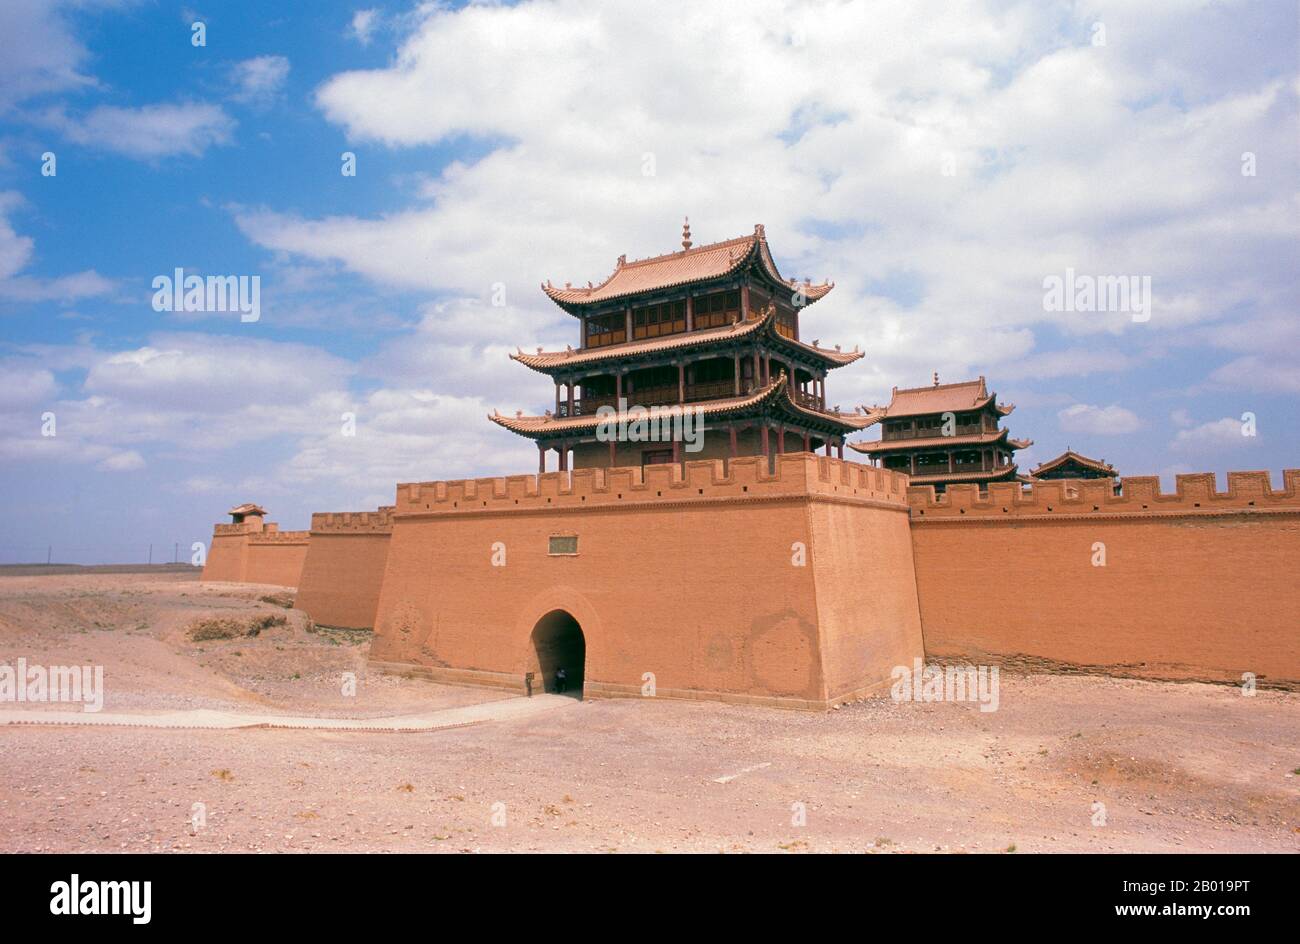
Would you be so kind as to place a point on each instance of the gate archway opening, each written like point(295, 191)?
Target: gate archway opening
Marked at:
point(559, 644)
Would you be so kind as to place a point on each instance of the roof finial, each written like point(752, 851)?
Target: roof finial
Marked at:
point(686, 233)
point(936, 378)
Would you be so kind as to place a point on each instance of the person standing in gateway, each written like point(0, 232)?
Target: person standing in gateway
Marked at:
point(561, 680)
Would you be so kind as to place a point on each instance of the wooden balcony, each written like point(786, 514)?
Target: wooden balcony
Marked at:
point(807, 400)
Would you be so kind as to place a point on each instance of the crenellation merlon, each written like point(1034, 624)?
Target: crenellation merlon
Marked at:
point(1194, 493)
point(741, 478)
point(275, 536)
point(379, 521)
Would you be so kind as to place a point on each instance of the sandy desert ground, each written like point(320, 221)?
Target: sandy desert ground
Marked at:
point(1177, 767)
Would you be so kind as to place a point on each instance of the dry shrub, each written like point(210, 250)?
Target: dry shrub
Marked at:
point(206, 629)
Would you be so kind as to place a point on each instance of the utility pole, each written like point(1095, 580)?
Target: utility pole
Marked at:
point(150, 553)
point(49, 553)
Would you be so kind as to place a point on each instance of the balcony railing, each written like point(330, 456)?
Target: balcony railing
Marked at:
point(665, 395)
point(933, 432)
point(807, 399)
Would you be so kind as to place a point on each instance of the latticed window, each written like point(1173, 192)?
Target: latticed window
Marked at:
point(716, 310)
point(786, 320)
point(606, 329)
point(563, 544)
point(656, 320)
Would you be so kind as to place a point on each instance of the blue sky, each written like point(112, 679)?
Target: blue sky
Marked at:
point(938, 163)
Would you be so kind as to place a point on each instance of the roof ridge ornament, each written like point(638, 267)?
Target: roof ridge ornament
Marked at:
point(936, 378)
point(686, 233)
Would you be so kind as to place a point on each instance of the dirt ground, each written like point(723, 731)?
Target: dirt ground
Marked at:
point(1064, 764)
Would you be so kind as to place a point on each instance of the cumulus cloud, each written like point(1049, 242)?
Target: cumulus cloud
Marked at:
point(1110, 420)
point(260, 80)
point(363, 25)
point(126, 461)
point(16, 254)
point(1217, 434)
point(38, 52)
point(148, 132)
point(977, 152)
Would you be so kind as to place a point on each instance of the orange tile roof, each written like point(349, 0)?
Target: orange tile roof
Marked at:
point(693, 264)
point(777, 392)
point(247, 508)
point(1099, 465)
point(971, 439)
point(943, 398)
point(925, 478)
point(545, 361)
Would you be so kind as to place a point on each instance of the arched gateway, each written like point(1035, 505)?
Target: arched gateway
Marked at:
point(559, 644)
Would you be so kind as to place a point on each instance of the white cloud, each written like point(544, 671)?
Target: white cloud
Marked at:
point(126, 461)
point(259, 80)
point(17, 253)
point(150, 131)
point(363, 25)
point(25, 383)
point(1227, 432)
point(1110, 420)
point(1066, 155)
point(38, 52)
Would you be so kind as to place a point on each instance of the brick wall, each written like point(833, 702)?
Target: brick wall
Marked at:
point(344, 568)
point(1197, 584)
point(691, 577)
point(254, 553)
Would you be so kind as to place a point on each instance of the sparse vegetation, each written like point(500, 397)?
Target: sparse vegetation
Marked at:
point(206, 629)
point(281, 599)
point(223, 774)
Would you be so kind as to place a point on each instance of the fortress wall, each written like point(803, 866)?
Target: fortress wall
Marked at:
point(344, 568)
point(687, 576)
point(244, 553)
point(227, 557)
point(866, 594)
point(277, 557)
point(1198, 584)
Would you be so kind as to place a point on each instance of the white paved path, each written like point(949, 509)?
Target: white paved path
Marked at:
point(503, 710)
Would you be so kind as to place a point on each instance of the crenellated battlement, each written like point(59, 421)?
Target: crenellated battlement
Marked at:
point(710, 480)
point(275, 536)
point(1140, 496)
point(353, 522)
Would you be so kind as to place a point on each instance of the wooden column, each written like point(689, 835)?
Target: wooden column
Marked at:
point(780, 439)
point(690, 314)
point(744, 302)
point(558, 385)
point(677, 450)
point(767, 368)
point(828, 445)
point(613, 452)
point(807, 443)
point(839, 449)
point(734, 446)
point(618, 389)
point(681, 383)
point(570, 397)
point(767, 447)
point(627, 318)
point(758, 377)
point(541, 453)
point(737, 359)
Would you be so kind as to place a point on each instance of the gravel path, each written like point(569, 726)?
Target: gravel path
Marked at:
point(504, 710)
